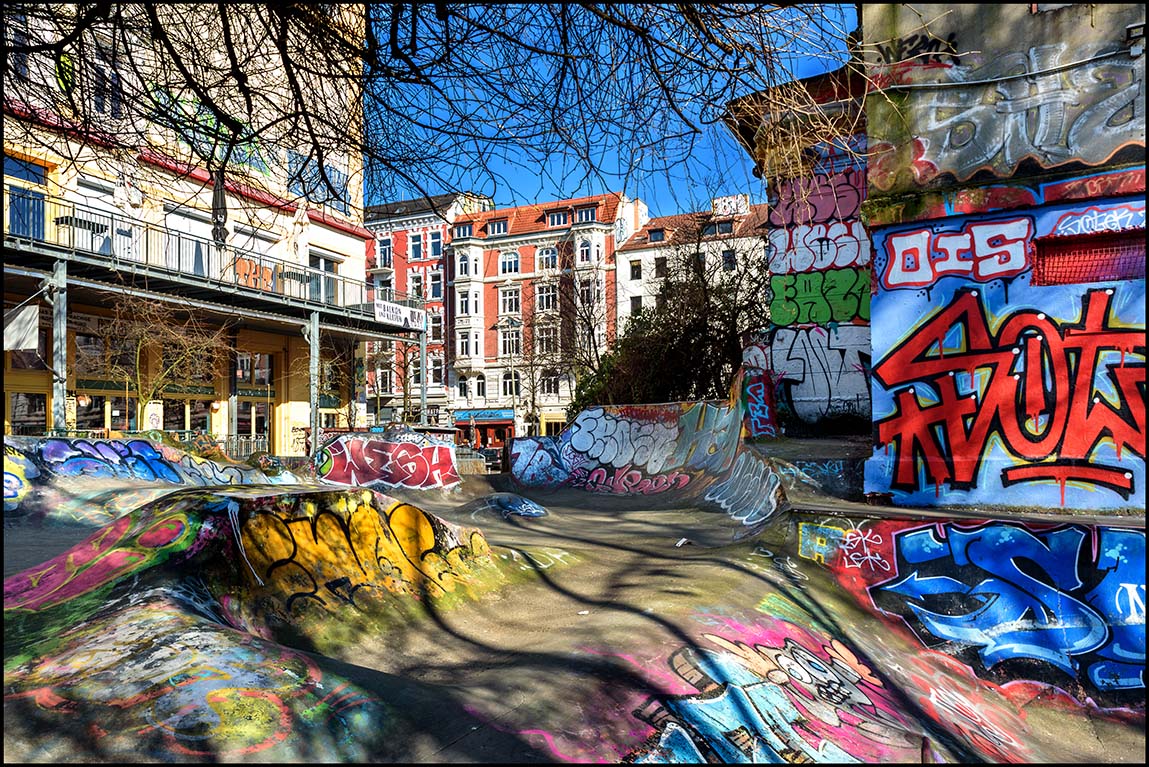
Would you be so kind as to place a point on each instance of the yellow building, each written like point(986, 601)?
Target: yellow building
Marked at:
point(123, 203)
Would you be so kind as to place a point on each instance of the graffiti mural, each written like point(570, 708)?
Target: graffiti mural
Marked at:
point(761, 418)
point(988, 388)
point(671, 452)
point(817, 347)
point(1060, 603)
point(406, 459)
point(1085, 112)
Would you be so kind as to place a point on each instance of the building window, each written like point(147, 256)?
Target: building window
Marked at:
point(436, 321)
point(18, 23)
point(383, 287)
point(636, 270)
point(480, 385)
point(548, 259)
point(462, 384)
point(435, 365)
point(415, 282)
point(464, 345)
point(586, 292)
point(587, 214)
point(464, 265)
point(108, 91)
point(546, 297)
point(436, 244)
point(464, 303)
point(584, 252)
point(729, 260)
point(497, 227)
point(305, 180)
point(547, 339)
point(415, 248)
point(657, 235)
point(549, 383)
point(557, 219)
point(508, 300)
point(415, 372)
point(436, 285)
point(510, 384)
point(385, 258)
point(1092, 258)
point(635, 304)
point(509, 262)
point(660, 266)
point(463, 230)
point(718, 227)
point(253, 369)
point(510, 341)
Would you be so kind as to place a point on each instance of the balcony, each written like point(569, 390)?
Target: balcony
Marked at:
point(40, 228)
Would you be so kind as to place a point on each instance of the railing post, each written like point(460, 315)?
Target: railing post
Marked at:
point(58, 293)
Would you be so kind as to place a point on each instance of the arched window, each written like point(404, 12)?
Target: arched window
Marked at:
point(509, 262)
point(548, 258)
point(584, 251)
point(462, 386)
point(480, 385)
point(510, 384)
point(464, 264)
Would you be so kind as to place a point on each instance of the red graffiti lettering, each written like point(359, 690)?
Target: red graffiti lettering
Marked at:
point(1040, 397)
point(983, 252)
point(358, 462)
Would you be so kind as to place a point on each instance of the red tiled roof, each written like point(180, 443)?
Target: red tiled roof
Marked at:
point(685, 227)
point(529, 219)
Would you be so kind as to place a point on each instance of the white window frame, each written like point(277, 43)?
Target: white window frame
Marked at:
point(435, 285)
point(462, 231)
point(546, 301)
point(510, 342)
point(464, 265)
point(510, 300)
point(558, 218)
point(546, 339)
point(584, 251)
point(512, 384)
point(587, 214)
point(415, 247)
point(481, 386)
point(509, 258)
point(549, 384)
point(464, 344)
point(435, 245)
point(497, 227)
point(464, 303)
point(548, 258)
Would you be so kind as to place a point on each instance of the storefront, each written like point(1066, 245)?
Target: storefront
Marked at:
point(490, 427)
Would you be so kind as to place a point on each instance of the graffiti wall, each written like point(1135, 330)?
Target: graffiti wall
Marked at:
point(818, 343)
point(1064, 603)
point(995, 384)
point(399, 457)
point(668, 453)
point(96, 480)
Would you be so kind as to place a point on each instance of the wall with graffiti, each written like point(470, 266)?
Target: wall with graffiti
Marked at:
point(1061, 603)
point(817, 345)
point(96, 480)
point(398, 457)
point(160, 636)
point(668, 453)
point(1000, 90)
point(991, 389)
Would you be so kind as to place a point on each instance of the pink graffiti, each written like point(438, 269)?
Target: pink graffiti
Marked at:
point(359, 462)
point(628, 481)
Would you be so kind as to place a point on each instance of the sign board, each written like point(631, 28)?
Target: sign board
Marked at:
point(21, 328)
point(405, 317)
point(484, 415)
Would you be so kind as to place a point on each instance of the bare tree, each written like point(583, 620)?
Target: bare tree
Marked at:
point(148, 348)
point(430, 94)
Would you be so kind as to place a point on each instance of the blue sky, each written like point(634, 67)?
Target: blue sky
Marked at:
point(717, 166)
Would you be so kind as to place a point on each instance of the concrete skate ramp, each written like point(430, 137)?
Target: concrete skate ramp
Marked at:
point(278, 623)
point(59, 480)
point(678, 454)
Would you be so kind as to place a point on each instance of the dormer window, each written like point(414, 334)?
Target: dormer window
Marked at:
point(587, 214)
point(558, 218)
point(497, 227)
point(657, 235)
point(718, 227)
point(463, 230)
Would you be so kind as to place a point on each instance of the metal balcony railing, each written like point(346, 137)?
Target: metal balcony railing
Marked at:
point(127, 244)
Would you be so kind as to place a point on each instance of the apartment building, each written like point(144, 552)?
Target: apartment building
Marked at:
point(406, 381)
point(731, 239)
point(532, 304)
point(273, 250)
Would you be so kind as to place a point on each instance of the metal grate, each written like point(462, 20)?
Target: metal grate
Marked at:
point(1099, 258)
